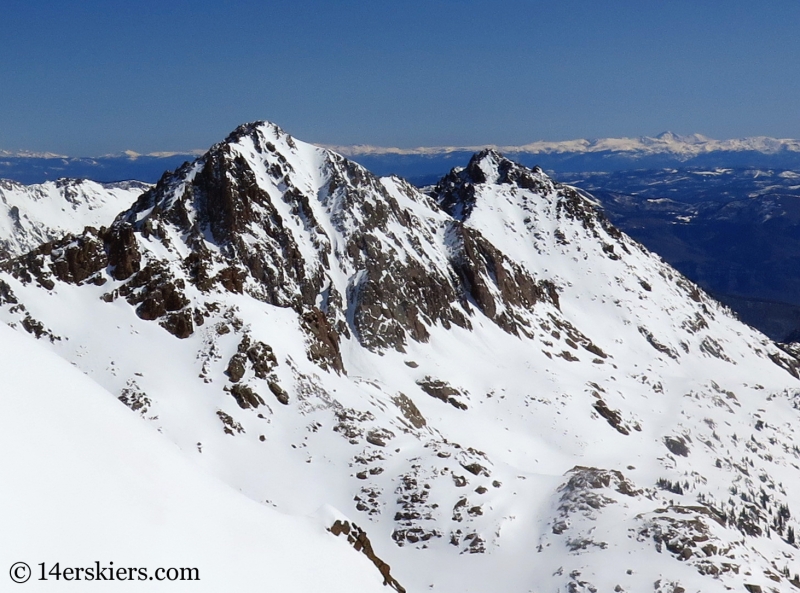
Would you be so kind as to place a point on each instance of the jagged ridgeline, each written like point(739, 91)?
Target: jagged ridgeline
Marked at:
point(500, 388)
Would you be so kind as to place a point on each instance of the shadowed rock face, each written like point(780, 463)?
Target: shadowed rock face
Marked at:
point(394, 295)
point(123, 252)
point(76, 259)
point(230, 201)
point(393, 302)
point(495, 284)
point(225, 203)
point(324, 341)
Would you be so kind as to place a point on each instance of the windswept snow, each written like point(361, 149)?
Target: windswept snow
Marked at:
point(85, 481)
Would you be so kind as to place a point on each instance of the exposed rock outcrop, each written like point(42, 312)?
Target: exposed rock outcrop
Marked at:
point(357, 537)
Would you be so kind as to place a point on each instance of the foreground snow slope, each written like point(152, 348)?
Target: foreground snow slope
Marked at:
point(84, 480)
point(499, 387)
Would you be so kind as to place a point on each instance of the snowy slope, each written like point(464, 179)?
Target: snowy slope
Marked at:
point(85, 482)
point(499, 387)
point(33, 214)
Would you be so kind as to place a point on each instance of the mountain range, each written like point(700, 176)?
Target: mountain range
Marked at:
point(484, 386)
point(426, 165)
point(34, 167)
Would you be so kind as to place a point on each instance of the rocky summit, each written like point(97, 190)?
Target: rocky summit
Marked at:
point(493, 387)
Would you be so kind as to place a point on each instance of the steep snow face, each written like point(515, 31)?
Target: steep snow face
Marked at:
point(34, 214)
point(495, 384)
point(85, 481)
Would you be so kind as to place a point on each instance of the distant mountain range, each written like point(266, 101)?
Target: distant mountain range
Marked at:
point(38, 167)
point(665, 143)
point(426, 165)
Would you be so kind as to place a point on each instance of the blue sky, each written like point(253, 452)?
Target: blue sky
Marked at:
point(92, 77)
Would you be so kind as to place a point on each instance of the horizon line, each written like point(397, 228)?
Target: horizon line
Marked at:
point(663, 142)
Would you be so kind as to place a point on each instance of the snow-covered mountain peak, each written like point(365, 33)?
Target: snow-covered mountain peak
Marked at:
point(222, 189)
point(485, 166)
point(669, 136)
point(457, 192)
point(478, 377)
point(490, 167)
point(263, 127)
point(670, 141)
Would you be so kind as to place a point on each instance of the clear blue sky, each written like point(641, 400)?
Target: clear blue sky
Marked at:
point(91, 77)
